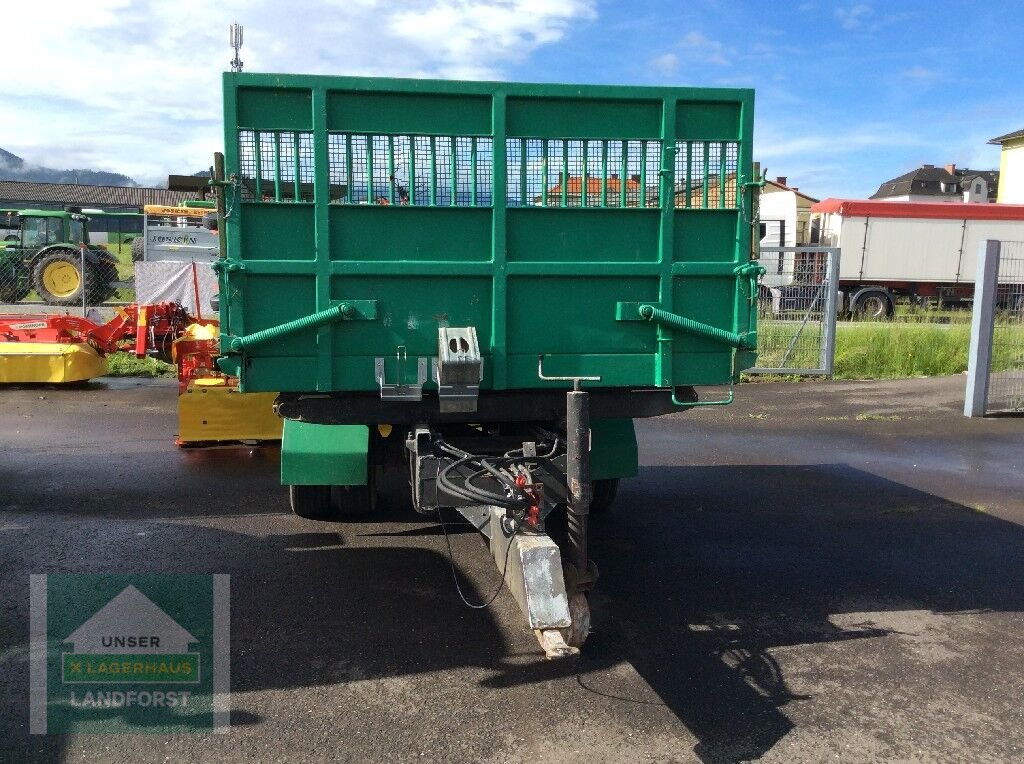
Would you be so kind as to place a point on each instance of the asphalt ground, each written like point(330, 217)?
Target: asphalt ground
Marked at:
point(820, 572)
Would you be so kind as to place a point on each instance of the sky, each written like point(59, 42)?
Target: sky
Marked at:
point(848, 94)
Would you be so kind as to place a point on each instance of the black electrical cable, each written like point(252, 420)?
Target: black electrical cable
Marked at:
point(455, 576)
point(515, 498)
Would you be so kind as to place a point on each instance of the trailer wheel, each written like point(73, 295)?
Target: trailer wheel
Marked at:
point(873, 304)
point(312, 502)
point(604, 492)
point(356, 500)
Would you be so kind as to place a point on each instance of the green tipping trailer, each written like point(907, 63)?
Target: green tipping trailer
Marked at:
point(487, 281)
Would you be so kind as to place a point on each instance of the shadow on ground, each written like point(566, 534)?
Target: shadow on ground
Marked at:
point(704, 570)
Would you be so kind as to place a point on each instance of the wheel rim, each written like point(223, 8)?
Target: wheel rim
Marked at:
point(61, 279)
point(873, 307)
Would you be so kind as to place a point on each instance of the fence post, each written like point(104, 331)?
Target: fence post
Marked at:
point(828, 346)
point(982, 323)
point(85, 281)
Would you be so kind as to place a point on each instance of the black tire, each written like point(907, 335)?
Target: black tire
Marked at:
point(873, 305)
point(138, 246)
point(105, 274)
point(312, 502)
point(358, 500)
point(604, 493)
point(65, 261)
point(355, 500)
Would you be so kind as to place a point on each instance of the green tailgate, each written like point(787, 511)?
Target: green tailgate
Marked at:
point(549, 217)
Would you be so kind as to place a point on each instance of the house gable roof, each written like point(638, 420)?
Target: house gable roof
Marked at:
point(796, 191)
point(1008, 137)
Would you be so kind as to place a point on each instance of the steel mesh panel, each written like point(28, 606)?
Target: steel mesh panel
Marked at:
point(276, 166)
point(445, 171)
point(581, 173)
point(706, 175)
point(1006, 378)
point(793, 304)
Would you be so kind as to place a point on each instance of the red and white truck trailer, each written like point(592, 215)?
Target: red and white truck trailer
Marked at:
point(923, 252)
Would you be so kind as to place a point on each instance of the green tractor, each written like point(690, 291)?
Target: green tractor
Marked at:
point(49, 251)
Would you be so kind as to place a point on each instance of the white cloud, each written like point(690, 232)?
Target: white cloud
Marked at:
point(854, 16)
point(705, 49)
point(919, 74)
point(136, 87)
point(773, 144)
point(666, 64)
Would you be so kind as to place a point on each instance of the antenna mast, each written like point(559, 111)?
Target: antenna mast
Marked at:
point(235, 41)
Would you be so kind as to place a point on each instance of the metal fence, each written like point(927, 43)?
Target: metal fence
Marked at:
point(64, 279)
point(995, 375)
point(797, 310)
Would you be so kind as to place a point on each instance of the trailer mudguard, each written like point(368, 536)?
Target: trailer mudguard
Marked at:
point(324, 454)
point(613, 452)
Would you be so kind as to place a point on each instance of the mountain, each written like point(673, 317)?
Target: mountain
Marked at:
point(13, 167)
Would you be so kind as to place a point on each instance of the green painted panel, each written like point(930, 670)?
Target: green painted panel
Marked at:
point(583, 235)
point(583, 117)
point(553, 314)
point(614, 369)
point(708, 121)
point(324, 454)
point(277, 231)
point(375, 233)
point(410, 309)
point(275, 108)
point(273, 300)
point(281, 374)
point(699, 236)
point(710, 300)
point(702, 369)
point(408, 113)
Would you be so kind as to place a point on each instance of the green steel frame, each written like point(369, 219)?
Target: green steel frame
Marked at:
point(496, 237)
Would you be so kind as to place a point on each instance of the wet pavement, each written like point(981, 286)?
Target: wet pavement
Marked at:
point(822, 571)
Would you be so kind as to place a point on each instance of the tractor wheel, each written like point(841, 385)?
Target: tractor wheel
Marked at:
point(312, 502)
point(604, 492)
point(138, 246)
point(58, 278)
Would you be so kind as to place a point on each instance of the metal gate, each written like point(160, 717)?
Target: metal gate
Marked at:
point(995, 375)
point(797, 310)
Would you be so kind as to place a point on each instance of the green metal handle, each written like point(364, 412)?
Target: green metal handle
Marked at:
point(724, 402)
point(657, 315)
point(350, 310)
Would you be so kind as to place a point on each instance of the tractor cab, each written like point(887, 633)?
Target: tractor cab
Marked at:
point(33, 229)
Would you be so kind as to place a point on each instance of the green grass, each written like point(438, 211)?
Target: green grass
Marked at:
point(127, 365)
point(892, 351)
point(889, 350)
